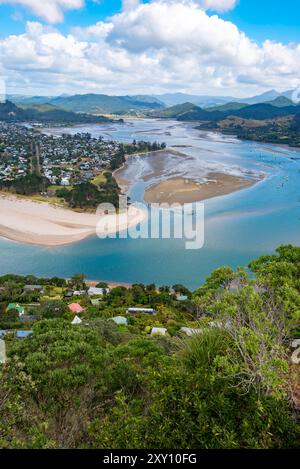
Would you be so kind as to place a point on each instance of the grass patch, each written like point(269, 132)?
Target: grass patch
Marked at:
point(99, 179)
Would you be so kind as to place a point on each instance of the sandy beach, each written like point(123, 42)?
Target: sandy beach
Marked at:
point(43, 224)
point(93, 283)
point(181, 191)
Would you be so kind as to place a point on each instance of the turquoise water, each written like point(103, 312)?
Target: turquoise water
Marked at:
point(238, 227)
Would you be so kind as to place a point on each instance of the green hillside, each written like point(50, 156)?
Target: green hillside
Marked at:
point(217, 374)
point(179, 110)
point(228, 107)
point(103, 104)
point(9, 112)
point(281, 101)
point(45, 107)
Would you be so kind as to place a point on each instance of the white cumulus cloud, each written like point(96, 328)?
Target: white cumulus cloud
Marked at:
point(51, 11)
point(151, 48)
point(130, 4)
point(218, 5)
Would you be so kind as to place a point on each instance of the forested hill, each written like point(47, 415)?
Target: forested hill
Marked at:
point(216, 368)
point(262, 111)
point(95, 104)
point(9, 112)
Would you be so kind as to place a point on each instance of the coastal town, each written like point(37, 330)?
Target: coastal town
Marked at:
point(64, 160)
point(26, 300)
point(149, 232)
point(99, 348)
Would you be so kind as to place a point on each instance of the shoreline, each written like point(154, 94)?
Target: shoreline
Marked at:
point(273, 150)
point(286, 146)
point(110, 283)
point(41, 224)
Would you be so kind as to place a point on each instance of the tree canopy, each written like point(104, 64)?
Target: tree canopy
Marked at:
point(231, 384)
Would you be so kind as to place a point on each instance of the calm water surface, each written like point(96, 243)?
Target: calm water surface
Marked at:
point(238, 227)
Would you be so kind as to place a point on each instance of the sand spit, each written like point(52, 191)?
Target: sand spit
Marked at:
point(182, 191)
point(43, 224)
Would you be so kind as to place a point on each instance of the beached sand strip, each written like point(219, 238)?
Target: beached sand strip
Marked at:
point(273, 150)
point(183, 191)
point(43, 224)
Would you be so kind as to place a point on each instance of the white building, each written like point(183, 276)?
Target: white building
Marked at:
point(141, 310)
point(76, 320)
point(79, 292)
point(158, 331)
point(97, 291)
point(2, 351)
point(120, 320)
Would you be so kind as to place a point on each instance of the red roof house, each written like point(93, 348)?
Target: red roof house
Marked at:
point(75, 308)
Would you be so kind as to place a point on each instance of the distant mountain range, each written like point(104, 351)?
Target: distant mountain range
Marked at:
point(170, 99)
point(173, 99)
point(91, 107)
point(261, 111)
point(280, 101)
point(94, 103)
point(142, 104)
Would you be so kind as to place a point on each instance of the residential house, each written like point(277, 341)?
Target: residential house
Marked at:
point(2, 351)
point(33, 288)
point(94, 291)
point(68, 294)
point(141, 310)
point(16, 307)
point(75, 308)
point(158, 331)
point(27, 317)
point(96, 301)
point(76, 320)
point(120, 320)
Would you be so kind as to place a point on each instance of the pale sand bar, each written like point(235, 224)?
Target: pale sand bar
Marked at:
point(183, 191)
point(43, 224)
point(273, 150)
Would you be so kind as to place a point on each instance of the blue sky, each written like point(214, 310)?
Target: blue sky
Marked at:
point(265, 19)
point(175, 45)
point(91, 13)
